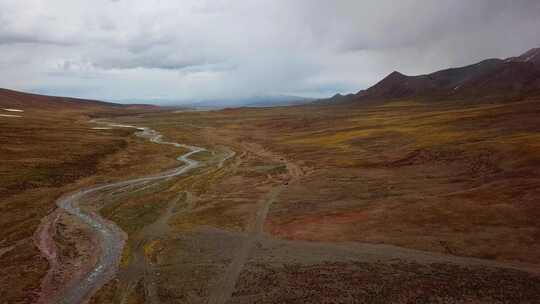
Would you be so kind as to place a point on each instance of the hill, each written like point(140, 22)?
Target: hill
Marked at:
point(17, 99)
point(532, 55)
point(508, 78)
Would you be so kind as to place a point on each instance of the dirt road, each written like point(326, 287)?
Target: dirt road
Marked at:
point(223, 291)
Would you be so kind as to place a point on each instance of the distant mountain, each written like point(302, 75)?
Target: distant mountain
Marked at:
point(276, 101)
point(255, 101)
point(515, 76)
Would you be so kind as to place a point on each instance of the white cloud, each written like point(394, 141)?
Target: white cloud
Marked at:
point(193, 49)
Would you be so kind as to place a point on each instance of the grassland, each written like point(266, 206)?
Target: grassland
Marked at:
point(443, 177)
point(47, 153)
point(453, 179)
point(358, 189)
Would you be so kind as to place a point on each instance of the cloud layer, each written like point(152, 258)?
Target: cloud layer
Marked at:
point(193, 49)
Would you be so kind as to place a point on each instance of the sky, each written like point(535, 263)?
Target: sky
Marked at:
point(189, 50)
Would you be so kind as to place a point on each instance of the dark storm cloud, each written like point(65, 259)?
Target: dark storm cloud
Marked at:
point(13, 38)
point(195, 49)
point(387, 25)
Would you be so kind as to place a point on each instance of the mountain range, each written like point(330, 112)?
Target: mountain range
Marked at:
point(510, 78)
point(217, 103)
point(253, 101)
point(492, 78)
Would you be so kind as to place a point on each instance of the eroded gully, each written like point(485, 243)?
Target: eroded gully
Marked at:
point(110, 237)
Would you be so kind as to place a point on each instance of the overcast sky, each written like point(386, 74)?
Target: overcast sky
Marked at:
point(195, 49)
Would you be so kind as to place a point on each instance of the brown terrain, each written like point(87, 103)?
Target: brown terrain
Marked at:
point(48, 150)
point(423, 197)
point(502, 79)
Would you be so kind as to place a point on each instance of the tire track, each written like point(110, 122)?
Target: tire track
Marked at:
point(224, 289)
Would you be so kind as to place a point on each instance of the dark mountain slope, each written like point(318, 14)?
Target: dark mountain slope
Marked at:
point(16, 99)
point(516, 76)
point(532, 56)
point(10, 98)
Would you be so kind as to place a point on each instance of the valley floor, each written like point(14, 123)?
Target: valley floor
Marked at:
point(402, 202)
